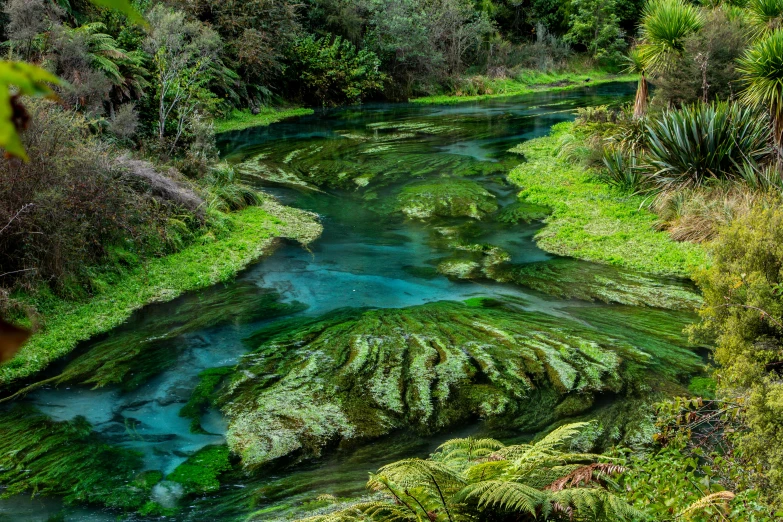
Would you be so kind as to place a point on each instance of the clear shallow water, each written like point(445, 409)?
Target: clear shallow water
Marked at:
point(367, 257)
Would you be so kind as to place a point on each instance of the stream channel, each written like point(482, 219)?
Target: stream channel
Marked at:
point(350, 166)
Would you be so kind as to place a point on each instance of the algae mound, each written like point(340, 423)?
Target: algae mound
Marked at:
point(361, 374)
point(446, 198)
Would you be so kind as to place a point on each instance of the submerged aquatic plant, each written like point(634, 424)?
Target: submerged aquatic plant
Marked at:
point(44, 457)
point(446, 198)
point(361, 374)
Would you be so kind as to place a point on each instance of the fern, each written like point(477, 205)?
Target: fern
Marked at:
point(481, 479)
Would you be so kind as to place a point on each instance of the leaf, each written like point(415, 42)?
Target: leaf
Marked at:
point(29, 80)
point(124, 7)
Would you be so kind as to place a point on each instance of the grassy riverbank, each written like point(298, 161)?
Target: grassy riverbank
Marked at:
point(483, 88)
point(249, 234)
point(592, 221)
point(240, 120)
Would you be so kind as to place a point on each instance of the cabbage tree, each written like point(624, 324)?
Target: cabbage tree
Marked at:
point(761, 73)
point(665, 26)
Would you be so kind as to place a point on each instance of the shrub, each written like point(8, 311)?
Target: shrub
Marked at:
point(702, 143)
point(623, 171)
point(743, 315)
point(79, 201)
point(334, 72)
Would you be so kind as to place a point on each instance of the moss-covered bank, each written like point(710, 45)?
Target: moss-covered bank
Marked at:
point(592, 221)
point(482, 88)
point(241, 120)
point(248, 235)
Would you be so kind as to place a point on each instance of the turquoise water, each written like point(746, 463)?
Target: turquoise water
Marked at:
point(348, 166)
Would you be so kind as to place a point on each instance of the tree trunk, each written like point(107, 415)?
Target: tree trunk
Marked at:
point(640, 104)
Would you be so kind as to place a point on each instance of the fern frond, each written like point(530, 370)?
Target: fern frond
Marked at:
point(490, 470)
point(585, 475)
point(510, 496)
point(410, 473)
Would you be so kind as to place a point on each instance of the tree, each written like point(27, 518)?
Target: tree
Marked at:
point(22, 79)
point(186, 54)
point(766, 15)
point(665, 26)
point(422, 41)
point(761, 73)
point(595, 24)
point(743, 316)
point(333, 71)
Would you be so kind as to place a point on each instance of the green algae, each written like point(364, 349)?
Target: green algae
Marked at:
point(200, 474)
point(202, 396)
point(357, 374)
point(44, 457)
point(368, 158)
point(133, 354)
point(573, 279)
point(446, 198)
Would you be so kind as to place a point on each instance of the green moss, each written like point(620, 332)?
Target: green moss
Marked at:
point(523, 212)
point(240, 120)
point(528, 82)
point(446, 198)
point(200, 473)
point(589, 220)
point(203, 395)
point(250, 234)
point(66, 459)
point(361, 374)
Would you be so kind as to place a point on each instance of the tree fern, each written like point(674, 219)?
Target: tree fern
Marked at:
point(481, 479)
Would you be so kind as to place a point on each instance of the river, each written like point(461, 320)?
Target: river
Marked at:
point(370, 255)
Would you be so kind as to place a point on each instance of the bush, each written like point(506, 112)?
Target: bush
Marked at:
point(702, 143)
point(80, 205)
point(332, 72)
point(743, 315)
point(706, 70)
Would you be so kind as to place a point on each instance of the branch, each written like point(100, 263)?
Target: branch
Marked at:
point(23, 209)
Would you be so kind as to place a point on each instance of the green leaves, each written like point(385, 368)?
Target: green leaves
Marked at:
point(28, 80)
point(124, 7)
point(665, 26)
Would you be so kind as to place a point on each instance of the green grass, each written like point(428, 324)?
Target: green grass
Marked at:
point(240, 120)
point(210, 261)
point(527, 82)
point(592, 221)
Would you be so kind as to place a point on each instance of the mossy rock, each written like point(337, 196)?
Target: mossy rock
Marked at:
point(523, 212)
point(446, 198)
point(460, 268)
point(356, 374)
